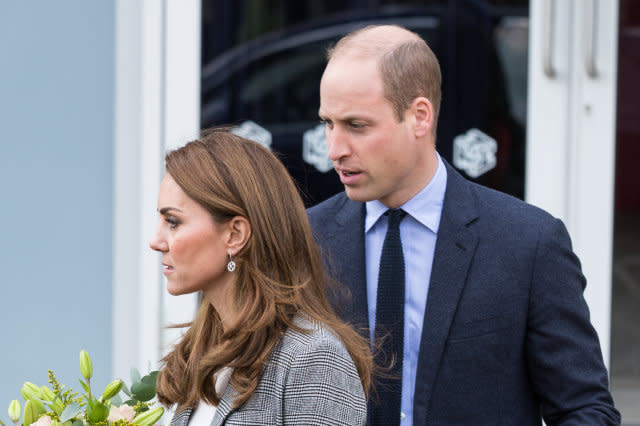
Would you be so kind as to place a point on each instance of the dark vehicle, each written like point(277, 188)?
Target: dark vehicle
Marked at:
point(268, 74)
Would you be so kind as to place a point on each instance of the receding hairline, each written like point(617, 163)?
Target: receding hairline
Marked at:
point(373, 41)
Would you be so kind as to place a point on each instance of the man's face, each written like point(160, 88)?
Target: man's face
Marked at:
point(376, 156)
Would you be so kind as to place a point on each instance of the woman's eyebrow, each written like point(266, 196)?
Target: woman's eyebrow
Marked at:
point(166, 210)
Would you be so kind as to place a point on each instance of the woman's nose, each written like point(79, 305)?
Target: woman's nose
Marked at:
point(158, 244)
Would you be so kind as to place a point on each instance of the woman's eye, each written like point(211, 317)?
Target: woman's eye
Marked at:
point(173, 222)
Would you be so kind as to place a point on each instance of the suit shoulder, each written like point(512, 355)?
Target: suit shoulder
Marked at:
point(508, 207)
point(325, 207)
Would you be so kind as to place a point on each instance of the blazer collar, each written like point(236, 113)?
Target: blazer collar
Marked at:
point(181, 418)
point(225, 408)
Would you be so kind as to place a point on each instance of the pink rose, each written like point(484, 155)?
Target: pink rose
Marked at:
point(123, 412)
point(43, 421)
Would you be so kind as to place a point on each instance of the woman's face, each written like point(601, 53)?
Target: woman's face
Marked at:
point(193, 246)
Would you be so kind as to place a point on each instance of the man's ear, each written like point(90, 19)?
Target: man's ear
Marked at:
point(422, 112)
point(239, 232)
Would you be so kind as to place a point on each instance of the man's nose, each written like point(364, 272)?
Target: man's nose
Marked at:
point(338, 144)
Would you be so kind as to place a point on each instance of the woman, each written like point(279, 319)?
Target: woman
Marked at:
point(265, 346)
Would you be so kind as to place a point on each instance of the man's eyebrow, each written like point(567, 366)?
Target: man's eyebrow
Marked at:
point(166, 210)
point(345, 119)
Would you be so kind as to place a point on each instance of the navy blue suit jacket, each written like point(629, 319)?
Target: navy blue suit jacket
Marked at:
point(506, 336)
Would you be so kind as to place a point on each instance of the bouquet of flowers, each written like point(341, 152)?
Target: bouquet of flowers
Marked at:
point(58, 406)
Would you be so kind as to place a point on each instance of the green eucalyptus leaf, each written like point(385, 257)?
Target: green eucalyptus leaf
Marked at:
point(151, 378)
point(72, 410)
point(77, 423)
point(135, 376)
point(116, 400)
point(125, 389)
point(143, 392)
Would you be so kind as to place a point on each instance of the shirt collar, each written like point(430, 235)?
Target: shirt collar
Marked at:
point(425, 206)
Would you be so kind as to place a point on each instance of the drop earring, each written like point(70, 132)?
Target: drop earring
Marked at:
point(231, 266)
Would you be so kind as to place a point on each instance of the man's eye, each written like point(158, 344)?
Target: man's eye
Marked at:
point(356, 126)
point(327, 123)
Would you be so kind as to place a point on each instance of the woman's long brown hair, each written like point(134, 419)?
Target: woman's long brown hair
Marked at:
point(279, 271)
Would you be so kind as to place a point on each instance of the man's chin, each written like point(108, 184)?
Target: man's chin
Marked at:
point(357, 194)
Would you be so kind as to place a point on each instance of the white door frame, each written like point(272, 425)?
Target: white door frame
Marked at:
point(157, 107)
point(571, 133)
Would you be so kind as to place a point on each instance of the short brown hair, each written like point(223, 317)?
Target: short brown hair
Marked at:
point(279, 271)
point(408, 67)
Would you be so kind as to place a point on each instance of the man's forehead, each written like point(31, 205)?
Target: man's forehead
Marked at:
point(351, 71)
point(357, 58)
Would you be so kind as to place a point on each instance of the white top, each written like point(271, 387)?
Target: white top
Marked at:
point(203, 414)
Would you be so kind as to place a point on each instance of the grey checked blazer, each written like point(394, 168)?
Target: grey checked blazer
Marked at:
point(309, 379)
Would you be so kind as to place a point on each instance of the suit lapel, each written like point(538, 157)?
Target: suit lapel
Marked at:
point(454, 251)
point(350, 255)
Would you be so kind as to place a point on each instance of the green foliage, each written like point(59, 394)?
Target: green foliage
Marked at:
point(149, 417)
point(71, 411)
point(96, 411)
point(66, 408)
point(140, 407)
point(143, 388)
point(86, 366)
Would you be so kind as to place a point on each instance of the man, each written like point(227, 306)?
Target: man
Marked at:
point(496, 329)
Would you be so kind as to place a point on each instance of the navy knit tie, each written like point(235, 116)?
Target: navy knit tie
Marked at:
point(390, 323)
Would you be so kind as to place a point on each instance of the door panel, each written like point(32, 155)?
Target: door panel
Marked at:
point(570, 158)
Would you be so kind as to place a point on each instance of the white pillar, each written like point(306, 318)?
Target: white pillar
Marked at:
point(157, 106)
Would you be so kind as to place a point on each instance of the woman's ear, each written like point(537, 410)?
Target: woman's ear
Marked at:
point(239, 233)
point(422, 110)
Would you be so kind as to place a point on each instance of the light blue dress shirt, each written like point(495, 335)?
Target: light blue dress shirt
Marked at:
point(418, 232)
